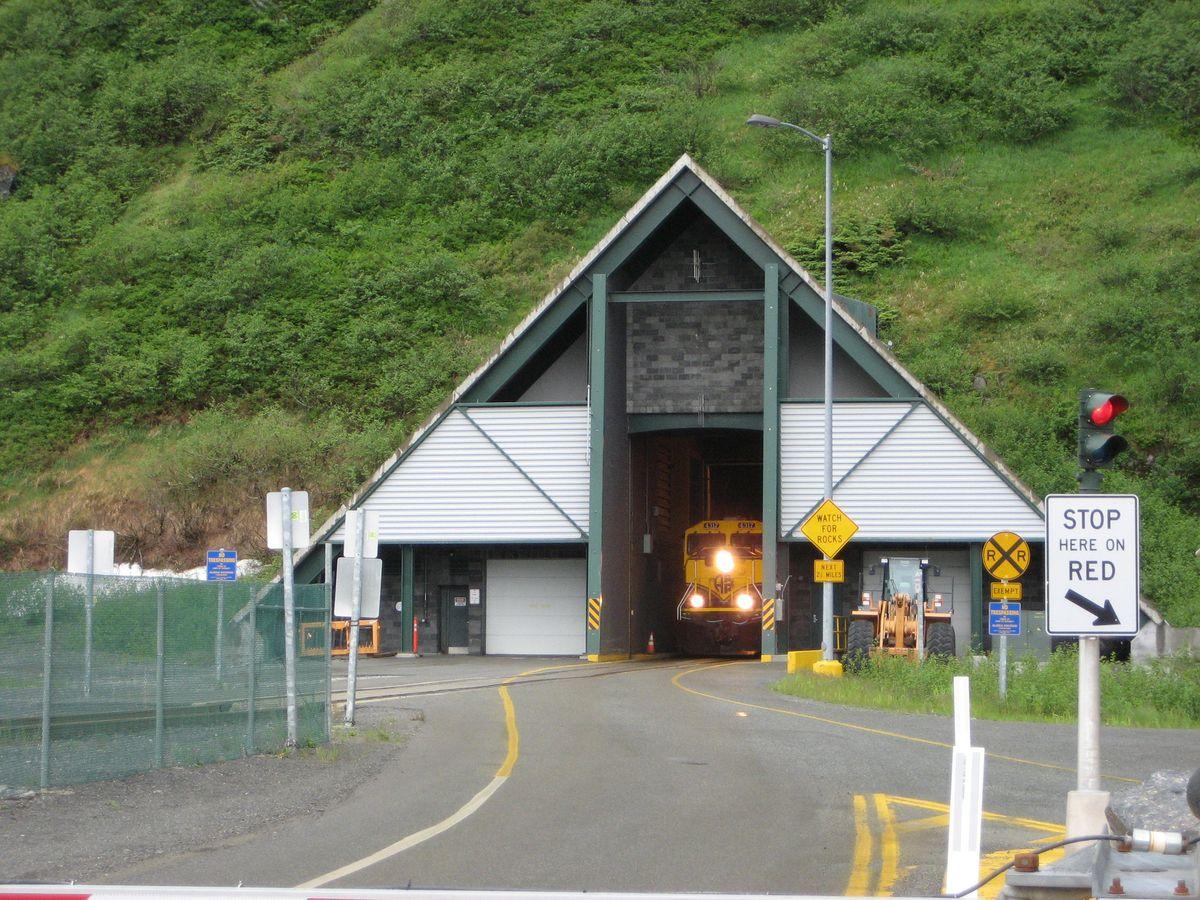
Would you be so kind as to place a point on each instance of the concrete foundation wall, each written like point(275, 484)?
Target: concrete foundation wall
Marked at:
point(1155, 640)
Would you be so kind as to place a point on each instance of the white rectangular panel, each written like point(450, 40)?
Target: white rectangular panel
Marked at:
point(535, 607)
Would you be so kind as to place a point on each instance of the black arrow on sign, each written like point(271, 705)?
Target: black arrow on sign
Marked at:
point(1105, 615)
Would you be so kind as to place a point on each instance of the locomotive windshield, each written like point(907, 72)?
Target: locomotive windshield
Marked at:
point(697, 544)
point(749, 544)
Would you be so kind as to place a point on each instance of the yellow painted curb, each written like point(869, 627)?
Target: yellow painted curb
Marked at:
point(607, 657)
point(766, 657)
point(802, 659)
point(830, 667)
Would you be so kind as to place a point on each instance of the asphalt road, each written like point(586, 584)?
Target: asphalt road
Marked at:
point(676, 775)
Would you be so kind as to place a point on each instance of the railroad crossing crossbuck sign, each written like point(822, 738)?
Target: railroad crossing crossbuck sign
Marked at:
point(829, 528)
point(1092, 564)
point(1006, 556)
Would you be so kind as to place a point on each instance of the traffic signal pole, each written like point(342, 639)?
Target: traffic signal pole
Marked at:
point(1097, 447)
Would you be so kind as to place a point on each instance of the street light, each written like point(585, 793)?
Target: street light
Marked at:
point(826, 143)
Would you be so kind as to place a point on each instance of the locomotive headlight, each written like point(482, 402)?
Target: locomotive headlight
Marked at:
point(745, 601)
point(724, 561)
point(696, 601)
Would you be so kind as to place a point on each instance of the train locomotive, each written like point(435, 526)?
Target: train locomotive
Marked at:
point(720, 612)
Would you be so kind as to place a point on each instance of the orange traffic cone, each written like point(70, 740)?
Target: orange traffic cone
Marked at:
point(650, 643)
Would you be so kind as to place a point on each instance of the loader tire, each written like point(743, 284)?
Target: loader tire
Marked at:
point(860, 638)
point(940, 642)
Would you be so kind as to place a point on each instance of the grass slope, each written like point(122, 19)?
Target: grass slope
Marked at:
point(1163, 694)
point(251, 242)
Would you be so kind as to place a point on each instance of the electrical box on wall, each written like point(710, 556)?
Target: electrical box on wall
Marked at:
point(647, 543)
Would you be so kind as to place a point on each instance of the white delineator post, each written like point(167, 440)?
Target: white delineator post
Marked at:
point(289, 616)
point(966, 797)
point(1087, 803)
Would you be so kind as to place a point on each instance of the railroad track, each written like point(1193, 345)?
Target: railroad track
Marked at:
point(236, 706)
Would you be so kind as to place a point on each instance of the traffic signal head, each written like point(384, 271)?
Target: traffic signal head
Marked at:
point(1098, 445)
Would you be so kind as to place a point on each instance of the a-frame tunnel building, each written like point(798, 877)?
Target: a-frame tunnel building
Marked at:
point(673, 377)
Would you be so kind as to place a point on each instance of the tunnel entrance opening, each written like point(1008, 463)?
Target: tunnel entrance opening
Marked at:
point(694, 493)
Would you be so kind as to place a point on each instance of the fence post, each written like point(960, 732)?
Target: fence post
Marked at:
point(159, 676)
point(47, 651)
point(328, 641)
point(220, 631)
point(87, 611)
point(251, 701)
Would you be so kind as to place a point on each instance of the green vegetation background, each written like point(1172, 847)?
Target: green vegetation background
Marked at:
point(257, 240)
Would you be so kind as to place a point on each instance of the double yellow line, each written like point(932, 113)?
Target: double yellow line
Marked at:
point(859, 884)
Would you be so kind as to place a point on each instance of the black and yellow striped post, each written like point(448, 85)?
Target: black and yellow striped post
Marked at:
point(768, 615)
point(594, 605)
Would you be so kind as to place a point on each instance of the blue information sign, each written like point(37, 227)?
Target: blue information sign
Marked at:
point(1004, 618)
point(222, 565)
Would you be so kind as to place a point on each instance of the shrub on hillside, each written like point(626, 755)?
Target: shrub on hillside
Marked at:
point(1158, 69)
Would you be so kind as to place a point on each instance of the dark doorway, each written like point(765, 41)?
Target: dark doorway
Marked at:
point(679, 479)
point(455, 616)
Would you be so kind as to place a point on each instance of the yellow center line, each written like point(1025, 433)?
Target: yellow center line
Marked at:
point(425, 834)
point(855, 727)
point(859, 884)
point(889, 847)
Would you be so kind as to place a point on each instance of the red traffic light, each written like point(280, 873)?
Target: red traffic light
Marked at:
point(1103, 408)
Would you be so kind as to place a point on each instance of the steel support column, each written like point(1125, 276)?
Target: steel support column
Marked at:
point(406, 598)
point(975, 558)
point(597, 347)
point(770, 537)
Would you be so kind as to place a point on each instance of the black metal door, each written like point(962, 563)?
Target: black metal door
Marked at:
point(453, 631)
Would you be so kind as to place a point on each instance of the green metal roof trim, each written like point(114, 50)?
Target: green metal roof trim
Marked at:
point(855, 324)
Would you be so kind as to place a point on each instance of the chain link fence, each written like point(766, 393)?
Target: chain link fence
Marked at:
point(106, 676)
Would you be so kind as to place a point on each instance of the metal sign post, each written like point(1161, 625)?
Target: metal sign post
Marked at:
point(221, 566)
point(1004, 618)
point(1093, 582)
point(287, 531)
point(1006, 557)
point(362, 540)
point(89, 553)
point(356, 610)
point(829, 529)
point(289, 616)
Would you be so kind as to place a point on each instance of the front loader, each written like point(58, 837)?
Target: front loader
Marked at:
point(887, 621)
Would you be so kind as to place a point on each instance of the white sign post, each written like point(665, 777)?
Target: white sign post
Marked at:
point(284, 507)
point(90, 553)
point(1092, 587)
point(362, 535)
point(966, 798)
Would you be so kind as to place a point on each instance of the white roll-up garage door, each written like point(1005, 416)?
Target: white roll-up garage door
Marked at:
point(535, 607)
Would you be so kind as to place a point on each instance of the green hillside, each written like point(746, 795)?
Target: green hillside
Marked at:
point(252, 242)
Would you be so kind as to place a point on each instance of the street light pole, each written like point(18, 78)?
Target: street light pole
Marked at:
point(826, 144)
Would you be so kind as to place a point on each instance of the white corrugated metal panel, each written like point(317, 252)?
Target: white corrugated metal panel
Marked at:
point(456, 486)
point(922, 483)
point(535, 607)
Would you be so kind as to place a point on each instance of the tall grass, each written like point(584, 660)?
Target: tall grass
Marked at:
point(1160, 694)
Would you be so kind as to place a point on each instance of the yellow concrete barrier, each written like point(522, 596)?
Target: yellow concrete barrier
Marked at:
point(802, 659)
point(830, 667)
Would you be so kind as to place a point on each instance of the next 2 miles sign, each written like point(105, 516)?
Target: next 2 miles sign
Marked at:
point(1092, 564)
